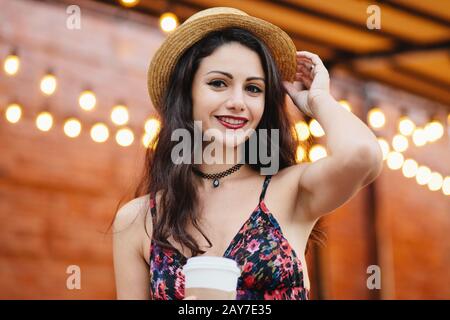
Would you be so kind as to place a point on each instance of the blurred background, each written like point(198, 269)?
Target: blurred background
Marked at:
point(76, 121)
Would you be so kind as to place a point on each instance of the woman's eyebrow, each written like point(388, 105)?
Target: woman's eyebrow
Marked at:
point(231, 77)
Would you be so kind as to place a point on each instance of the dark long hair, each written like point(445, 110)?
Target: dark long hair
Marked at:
point(175, 182)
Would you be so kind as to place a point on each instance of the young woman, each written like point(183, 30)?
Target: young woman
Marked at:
point(226, 74)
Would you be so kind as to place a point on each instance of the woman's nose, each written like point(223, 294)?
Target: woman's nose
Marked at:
point(236, 102)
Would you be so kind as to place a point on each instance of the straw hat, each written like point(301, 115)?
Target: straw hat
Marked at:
point(203, 22)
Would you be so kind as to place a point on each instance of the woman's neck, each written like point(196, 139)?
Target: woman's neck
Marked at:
point(217, 163)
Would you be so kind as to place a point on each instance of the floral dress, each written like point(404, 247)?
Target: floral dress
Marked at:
point(270, 268)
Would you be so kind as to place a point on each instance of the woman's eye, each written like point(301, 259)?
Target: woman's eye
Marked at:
point(255, 88)
point(215, 83)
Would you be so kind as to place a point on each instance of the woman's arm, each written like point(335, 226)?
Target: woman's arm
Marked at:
point(354, 155)
point(130, 268)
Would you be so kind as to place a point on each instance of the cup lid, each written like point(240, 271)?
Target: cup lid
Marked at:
point(212, 262)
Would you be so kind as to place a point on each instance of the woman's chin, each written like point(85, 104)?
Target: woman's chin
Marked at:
point(229, 141)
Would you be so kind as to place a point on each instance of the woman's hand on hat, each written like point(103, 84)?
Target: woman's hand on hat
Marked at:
point(312, 82)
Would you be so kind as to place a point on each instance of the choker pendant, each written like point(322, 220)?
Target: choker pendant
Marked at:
point(216, 176)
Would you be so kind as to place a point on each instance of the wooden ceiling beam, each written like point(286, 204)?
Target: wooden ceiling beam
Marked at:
point(339, 20)
point(445, 45)
point(414, 12)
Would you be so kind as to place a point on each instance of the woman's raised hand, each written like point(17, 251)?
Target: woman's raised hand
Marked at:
point(311, 82)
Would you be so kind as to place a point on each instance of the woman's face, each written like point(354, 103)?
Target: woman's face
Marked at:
point(228, 93)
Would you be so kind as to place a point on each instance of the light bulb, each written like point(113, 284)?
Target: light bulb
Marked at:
point(409, 168)
point(419, 137)
point(316, 128)
point(302, 130)
point(317, 152)
point(124, 137)
point(423, 175)
point(44, 121)
point(435, 182)
point(99, 132)
point(168, 22)
point(87, 100)
point(13, 113)
point(399, 143)
point(72, 128)
point(300, 154)
point(345, 104)
point(406, 126)
point(395, 160)
point(119, 115)
point(376, 118)
point(434, 131)
point(48, 84)
point(11, 64)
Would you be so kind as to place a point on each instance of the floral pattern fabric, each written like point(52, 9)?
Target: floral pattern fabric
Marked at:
point(270, 268)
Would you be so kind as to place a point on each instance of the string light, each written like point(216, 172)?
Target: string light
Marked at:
point(302, 130)
point(409, 168)
point(376, 118)
point(300, 154)
point(87, 100)
point(419, 137)
point(13, 113)
point(48, 84)
point(346, 105)
point(99, 132)
point(72, 127)
point(317, 152)
point(124, 137)
point(423, 175)
point(399, 143)
point(146, 139)
point(44, 121)
point(435, 182)
point(152, 127)
point(395, 160)
point(406, 126)
point(129, 3)
point(446, 186)
point(11, 64)
point(168, 22)
point(119, 115)
point(316, 128)
point(434, 131)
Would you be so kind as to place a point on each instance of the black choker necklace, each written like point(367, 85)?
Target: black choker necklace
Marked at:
point(217, 176)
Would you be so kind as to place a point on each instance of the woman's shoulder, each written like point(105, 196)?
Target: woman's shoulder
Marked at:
point(134, 214)
point(289, 175)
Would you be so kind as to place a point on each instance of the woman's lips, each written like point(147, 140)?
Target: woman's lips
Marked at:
point(231, 125)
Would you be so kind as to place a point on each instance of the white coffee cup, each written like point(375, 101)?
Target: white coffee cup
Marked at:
point(211, 278)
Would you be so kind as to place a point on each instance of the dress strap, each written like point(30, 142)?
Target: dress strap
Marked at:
point(153, 207)
point(264, 188)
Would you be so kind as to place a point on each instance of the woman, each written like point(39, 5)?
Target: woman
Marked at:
point(227, 74)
